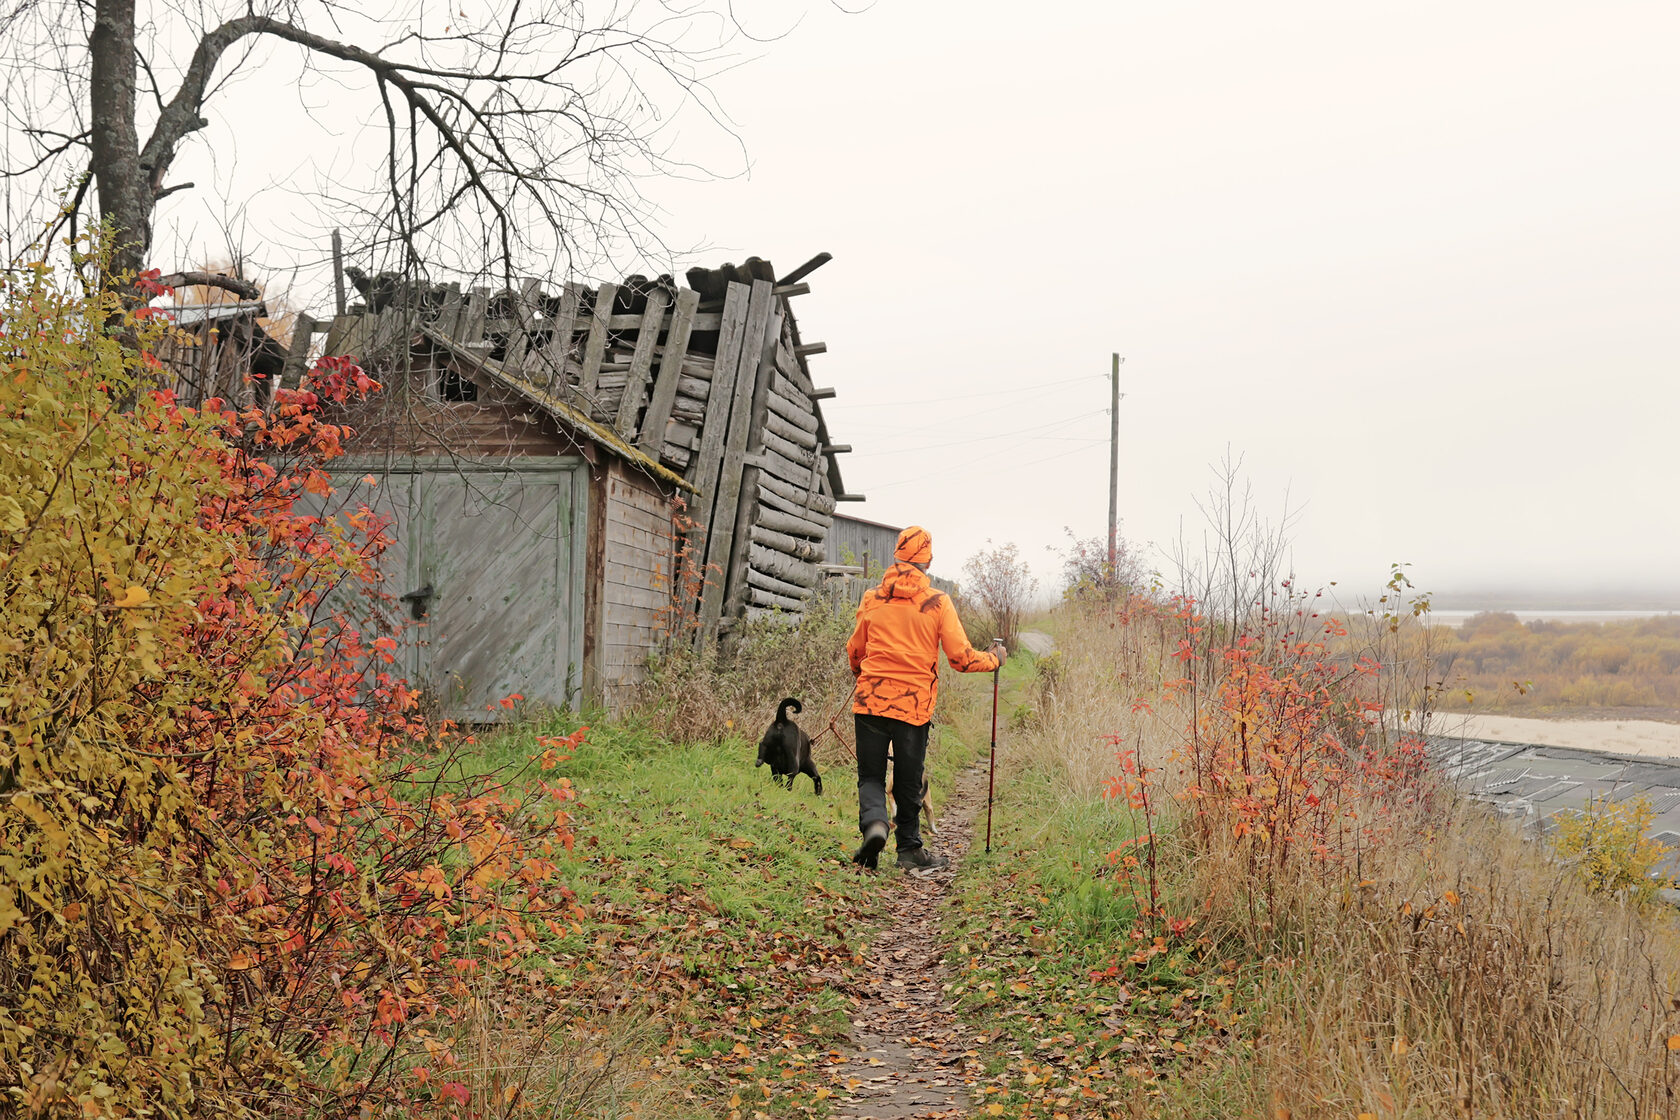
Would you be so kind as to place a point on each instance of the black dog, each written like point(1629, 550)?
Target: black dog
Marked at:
point(787, 748)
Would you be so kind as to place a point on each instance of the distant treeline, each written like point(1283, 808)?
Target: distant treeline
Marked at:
point(1495, 663)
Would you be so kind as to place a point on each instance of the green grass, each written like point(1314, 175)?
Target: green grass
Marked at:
point(1079, 1005)
point(714, 908)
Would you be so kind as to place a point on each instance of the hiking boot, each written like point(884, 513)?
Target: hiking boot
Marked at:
point(874, 839)
point(918, 859)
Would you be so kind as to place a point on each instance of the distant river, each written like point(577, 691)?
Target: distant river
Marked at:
point(1455, 619)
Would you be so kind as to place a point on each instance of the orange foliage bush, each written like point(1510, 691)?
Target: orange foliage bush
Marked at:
point(1284, 761)
point(232, 880)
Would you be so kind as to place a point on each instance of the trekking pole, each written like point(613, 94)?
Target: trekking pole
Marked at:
point(991, 776)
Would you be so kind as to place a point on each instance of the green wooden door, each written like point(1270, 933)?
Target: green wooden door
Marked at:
point(487, 570)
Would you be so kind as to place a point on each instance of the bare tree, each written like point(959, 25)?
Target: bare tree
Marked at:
point(1002, 584)
point(505, 130)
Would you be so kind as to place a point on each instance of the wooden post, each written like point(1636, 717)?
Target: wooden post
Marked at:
point(596, 347)
point(338, 270)
point(670, 371)
point(746, 502)
point(720, 539)
point(1114, 464)
point(706, 465)
point(641, 364)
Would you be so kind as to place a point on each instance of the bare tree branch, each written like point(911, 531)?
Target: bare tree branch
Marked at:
point(244, 289)
point(518, 129)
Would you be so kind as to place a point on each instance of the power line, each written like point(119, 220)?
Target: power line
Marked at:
point(1018, 433)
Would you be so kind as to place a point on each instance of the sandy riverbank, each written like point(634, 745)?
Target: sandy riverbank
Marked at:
point(1639, 737)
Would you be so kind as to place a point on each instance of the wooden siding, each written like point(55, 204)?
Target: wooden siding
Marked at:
point(636, 592)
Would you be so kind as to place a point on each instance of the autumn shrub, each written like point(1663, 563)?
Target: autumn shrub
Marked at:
point(1608, 844)
point(1496, 663)
point(232, 882)
point(1391, 949)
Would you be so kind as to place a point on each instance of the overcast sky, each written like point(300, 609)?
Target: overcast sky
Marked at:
point(1417, 265)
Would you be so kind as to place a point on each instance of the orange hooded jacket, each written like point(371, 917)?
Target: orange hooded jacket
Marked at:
point(894, 650)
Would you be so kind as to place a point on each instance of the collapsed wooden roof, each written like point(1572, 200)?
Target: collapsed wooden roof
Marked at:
point(706, 386)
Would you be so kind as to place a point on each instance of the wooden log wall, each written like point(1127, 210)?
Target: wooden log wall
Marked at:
point(710, 380)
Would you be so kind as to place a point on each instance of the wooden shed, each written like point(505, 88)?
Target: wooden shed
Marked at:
point(549, 456)
point(220, 350)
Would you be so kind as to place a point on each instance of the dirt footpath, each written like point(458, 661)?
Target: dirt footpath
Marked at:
point(910, 1060)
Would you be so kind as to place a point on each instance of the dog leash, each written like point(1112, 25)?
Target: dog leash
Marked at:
point(833, 721)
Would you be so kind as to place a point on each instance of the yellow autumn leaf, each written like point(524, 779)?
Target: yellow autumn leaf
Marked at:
point(240, 962)
point(1367, 1116)
point(823, 1091)
point(133, 597)
point(994, 1109)
point(1452, 898)
point(1401, 1044)
point(1674, 1042)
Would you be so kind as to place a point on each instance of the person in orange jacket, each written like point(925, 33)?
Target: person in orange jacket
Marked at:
point(894, 651)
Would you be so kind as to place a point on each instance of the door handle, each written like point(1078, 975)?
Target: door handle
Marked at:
point(418, 601)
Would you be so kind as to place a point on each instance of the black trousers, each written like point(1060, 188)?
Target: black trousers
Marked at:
point(909, 752)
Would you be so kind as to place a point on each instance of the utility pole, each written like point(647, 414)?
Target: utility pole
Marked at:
point(1114, 464)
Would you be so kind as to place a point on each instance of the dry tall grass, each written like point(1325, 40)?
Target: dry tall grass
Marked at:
point(732, 690)
point(1442, 967)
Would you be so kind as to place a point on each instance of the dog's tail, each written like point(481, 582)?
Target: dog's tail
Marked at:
point(782, 712)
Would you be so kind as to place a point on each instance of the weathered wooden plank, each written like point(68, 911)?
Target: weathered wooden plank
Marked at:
point(448, 318)
point(768, 501)
point(671, 363)
point(787, 291)
point(759, 597)
point(711, 320)
point(471, 330)
point(346, 334)
point(791, 410)
point(806, 269)
point(297, 358)
point(694, 387)
point(821, 394)
point(806, 349)
point(784, 522)
point(706, 464)
point(549, 364)
point(685, 436)
point(747, 511)
point(794, 546)
point(727, 510)
point(783, 566)
point(767, 582)
point(525, 321)
point(703, 472)
point(769, 461)
point(596, 347)
point(797, 494)
point(792, 434)
point(787, 449)
point(793, 368)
